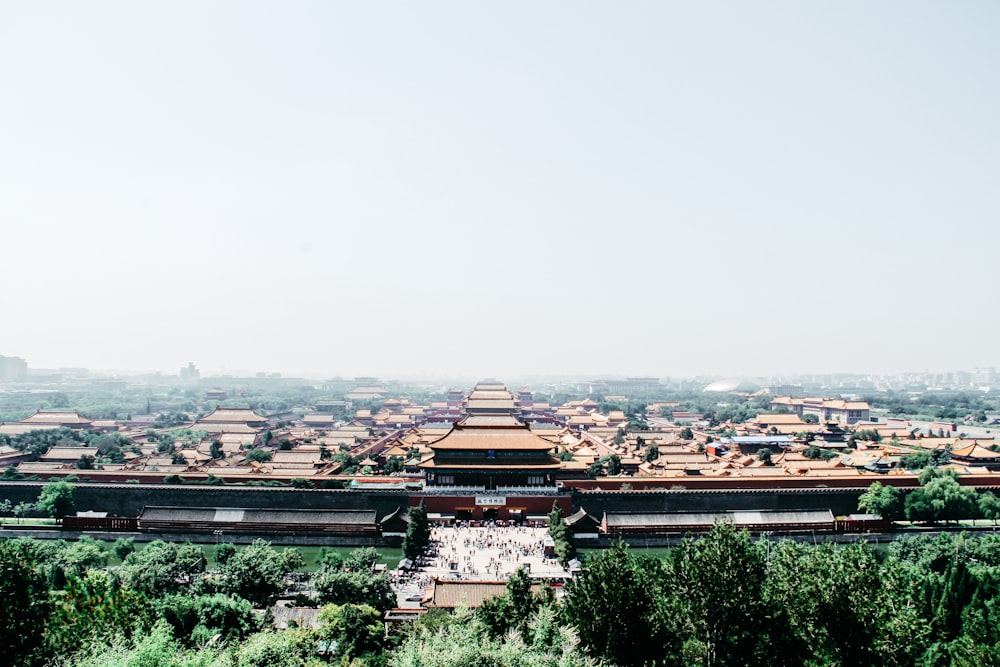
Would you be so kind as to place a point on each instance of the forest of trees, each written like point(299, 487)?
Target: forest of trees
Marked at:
point(721, 599)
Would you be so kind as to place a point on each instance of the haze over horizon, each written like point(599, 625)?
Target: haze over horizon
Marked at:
point(447, 189)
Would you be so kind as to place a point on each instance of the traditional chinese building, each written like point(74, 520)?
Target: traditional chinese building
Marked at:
point(491, 465)
point(492, 453)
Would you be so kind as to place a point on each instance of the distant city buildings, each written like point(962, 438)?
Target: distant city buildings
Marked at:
point(13, 369)
point(826, 409)
point(190, 374)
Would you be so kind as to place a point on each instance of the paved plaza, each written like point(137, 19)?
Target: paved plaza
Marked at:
point(479, 553)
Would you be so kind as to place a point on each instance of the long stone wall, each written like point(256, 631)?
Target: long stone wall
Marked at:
point(129, 499)
point(838, 501)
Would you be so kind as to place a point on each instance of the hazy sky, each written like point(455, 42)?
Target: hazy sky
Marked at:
point(501, 188)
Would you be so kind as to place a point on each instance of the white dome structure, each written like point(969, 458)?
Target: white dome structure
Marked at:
point(731, 385)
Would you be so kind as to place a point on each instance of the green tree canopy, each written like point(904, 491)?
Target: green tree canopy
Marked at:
point(257, 572)
point(162, 567)
point(334, 586)
point(719, 580)
point(615, 604)
point(197, 619)
point(94, 609)
point(561, 535)
point(356, 630)
point(56, 499)
point(259, 455)
point(418, 532)
point(886, 501)
point(24, 603)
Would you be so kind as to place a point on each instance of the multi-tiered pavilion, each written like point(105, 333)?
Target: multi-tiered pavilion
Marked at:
point(491, 452)
point(491, 465)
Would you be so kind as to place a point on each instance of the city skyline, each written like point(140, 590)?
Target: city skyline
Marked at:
point(979, 377)
point(671, 190)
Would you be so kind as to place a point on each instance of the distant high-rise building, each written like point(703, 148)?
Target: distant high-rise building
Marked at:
point(13, 369)
point(794, 390)
point(190, 374)
point(631, 386)
point(984, 377)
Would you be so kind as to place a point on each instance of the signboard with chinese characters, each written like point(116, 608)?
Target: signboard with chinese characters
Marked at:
point(491, 501)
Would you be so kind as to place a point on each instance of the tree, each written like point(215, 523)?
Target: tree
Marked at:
point(989, 506)
point(288, 648)
point(393, 465)
point(940, 457)
point(652, 453)
point(462, 642)
point(918, 507)
point(259, 455)
point(941, 498)
point(122, 547)
point(78, 557)
point(886, 501)
point(334, 586)
point(522, 601)
point(24, 603)
point(835, 605)
point(513, 610)
point(156, 647)
point(224, 552)
point(686, 433)
point(257, 572)
point(197, 619)
point(951, 500)
point(93, 608)
point(764, 456)
point(85, 462)
point(362, 559)
point(357, 630)
point(916, 461)
point(418, 532)
point(330, 557)
point(721, 577)
point(23, 509)
point(614, 606)
point(561, 535)
point(162, 567)
point(56, 499)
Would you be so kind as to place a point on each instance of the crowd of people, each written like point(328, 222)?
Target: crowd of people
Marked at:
point(491, 551)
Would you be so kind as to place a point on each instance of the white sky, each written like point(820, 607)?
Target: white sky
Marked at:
point(501, 188)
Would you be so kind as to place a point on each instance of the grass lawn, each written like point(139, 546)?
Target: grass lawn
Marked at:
point(13, 521)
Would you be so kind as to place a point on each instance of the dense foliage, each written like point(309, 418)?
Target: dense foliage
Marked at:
point(418, 531)
point(561, 535)
point(721, 599)
point(727, 600)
